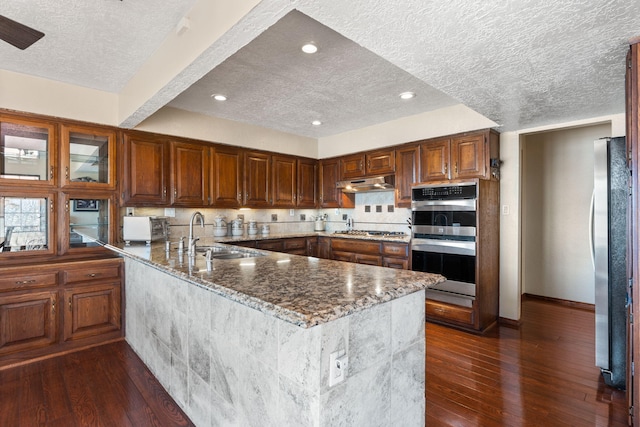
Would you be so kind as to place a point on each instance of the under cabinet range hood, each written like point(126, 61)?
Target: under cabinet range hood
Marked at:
point(363, 185)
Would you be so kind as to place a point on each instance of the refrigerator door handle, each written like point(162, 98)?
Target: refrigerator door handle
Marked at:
point(591, 242)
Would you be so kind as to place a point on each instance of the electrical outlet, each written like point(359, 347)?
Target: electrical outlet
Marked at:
point(274, 217)
point(292, 212)
point(241, 216)
point(338, 364)
point(130, 211)
point(170, 212)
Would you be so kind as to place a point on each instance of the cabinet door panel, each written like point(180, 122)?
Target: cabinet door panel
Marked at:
point(380, 162)
point(91, 310)
point(87, 157)
point(468, 157)
point(368, 259)
point(146, 170)
point(342, 256)
point(27, 321)
point(189, 174)
point(435, 160)
point(330, 196)
point(257, 179)
point(226, 177)
point(352, 166)
point(284, 181)
point(307, 177)
point(407, 174)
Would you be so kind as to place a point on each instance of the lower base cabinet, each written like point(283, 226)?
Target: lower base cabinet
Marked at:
point(62, 306)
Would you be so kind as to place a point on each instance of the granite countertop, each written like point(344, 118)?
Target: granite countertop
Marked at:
point(259, 236)
point(305, 291)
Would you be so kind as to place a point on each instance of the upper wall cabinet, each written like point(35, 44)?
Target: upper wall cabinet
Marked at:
point(459, 157)
point(226, 176)
point(257, 179)
point(407, 173)
point(307, 177)
point(87, 157)
point(189, 174)
point(285, 184)
point(379, 162)
point(146, 170)
point(28, 152)
point(330, 195)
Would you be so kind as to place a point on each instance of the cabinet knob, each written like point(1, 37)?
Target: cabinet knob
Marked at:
point(69, 303)
point(92, 274)
point(66, 172)
point(446, 167)
point(51, 172)
point(455, 167)
point(25, 282)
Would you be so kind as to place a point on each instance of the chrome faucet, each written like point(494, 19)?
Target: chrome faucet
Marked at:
point(192, 240)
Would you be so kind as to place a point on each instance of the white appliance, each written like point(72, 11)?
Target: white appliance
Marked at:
point(144, 229)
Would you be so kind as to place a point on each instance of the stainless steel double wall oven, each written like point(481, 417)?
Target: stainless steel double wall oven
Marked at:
point(444, 238)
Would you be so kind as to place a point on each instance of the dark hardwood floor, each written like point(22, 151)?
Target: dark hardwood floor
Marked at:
point(102, 386)
point(542, 374)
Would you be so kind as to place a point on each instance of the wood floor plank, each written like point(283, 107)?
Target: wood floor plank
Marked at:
point(540, 374)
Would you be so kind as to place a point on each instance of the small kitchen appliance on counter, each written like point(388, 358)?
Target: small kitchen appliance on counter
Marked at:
point(144, 229)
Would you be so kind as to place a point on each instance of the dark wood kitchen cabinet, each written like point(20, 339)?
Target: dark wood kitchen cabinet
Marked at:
point(28, 321)
point(307, 188)
point(463, 156)
point(189, 174)
point(48, 309)
point(330, 195)
point(146, 170)
point(395, 255)
point(285, 183)
point(257, 179)
point(378, 162)
point(226, 177)
point(407, 173)
point(358, 251)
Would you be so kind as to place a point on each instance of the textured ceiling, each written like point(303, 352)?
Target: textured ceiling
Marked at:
point(519, 63)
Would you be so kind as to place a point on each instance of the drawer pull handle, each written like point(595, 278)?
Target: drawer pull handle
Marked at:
point(70, 303)
point(92, 274)
point(25, 282)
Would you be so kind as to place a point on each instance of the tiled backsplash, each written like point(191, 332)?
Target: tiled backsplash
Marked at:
point(373, 211)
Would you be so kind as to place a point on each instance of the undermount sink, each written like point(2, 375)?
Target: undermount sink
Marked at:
point(220, 252)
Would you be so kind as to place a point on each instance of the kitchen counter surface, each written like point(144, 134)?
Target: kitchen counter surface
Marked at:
point(305, 291)
point(259, 236)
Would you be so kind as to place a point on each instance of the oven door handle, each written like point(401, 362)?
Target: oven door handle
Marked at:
point(444, 246)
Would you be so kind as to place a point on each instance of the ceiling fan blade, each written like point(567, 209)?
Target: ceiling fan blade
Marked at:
point(18, 34)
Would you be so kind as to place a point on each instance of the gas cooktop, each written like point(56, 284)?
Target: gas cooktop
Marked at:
point(378, 233)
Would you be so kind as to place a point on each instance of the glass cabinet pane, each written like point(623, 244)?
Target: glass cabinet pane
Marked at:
point(24, 152)
point(88, 158)
point(24, 224)
point(88, 222)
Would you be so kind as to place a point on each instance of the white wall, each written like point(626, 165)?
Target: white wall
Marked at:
point(557, 182)
point(445, 121)
point(172, 121)
point(510, 196)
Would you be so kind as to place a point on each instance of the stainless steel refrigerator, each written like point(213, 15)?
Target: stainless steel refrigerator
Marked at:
point(609, 248)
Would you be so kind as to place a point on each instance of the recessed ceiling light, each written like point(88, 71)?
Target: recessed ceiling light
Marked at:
point(316, 122)
point(407, 95)
point(309, 48)
point(219, 97)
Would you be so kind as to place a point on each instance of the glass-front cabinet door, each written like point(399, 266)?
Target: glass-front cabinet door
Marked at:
point(87, 222)
point(26, 224)
point(27, 152)
point(88, 157)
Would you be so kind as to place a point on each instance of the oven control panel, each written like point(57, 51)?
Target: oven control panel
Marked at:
point(444, 192)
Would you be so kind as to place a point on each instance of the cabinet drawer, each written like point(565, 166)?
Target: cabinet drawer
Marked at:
point(395, 249)
point(449, 313)
point(357, 246)
point(92, 271)
point(28, 280)
point(299, 251)
point(369, 259)
point(342, 256)
point(295, 243)
point(271, 245)
point(399, 263)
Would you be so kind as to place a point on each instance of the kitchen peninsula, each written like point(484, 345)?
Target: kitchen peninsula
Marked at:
point(248, 340)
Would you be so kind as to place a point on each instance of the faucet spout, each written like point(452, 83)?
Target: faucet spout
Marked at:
point(192, 241)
